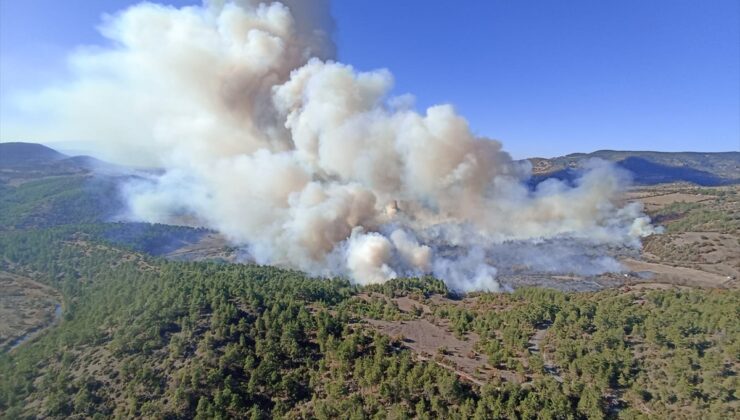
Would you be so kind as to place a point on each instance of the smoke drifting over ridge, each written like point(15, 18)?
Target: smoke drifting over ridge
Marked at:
point(309, 163)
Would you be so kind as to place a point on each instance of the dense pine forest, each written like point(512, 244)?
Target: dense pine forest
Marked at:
point(145, 337)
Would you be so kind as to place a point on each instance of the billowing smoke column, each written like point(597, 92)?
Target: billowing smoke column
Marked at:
point(306, 162)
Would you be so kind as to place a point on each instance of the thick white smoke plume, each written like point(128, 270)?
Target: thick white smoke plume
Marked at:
point(305, 161)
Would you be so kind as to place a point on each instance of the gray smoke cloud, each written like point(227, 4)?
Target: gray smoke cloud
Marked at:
point(306, 162)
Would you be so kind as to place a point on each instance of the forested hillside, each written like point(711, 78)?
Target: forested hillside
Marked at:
point(141, 336)
point(147, 337)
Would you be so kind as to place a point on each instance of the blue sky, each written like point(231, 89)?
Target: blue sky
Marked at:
point(546, 78)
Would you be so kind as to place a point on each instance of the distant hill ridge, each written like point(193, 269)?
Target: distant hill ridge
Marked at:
point(19, 155)
point(14, 153)
point(648, 167)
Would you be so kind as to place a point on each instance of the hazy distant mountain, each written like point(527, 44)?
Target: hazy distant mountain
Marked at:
point(41, 188)
point(17, 154)
point(21, 162)
point(651, 167)
point(54, 188)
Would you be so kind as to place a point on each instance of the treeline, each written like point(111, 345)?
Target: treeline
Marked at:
point(418, 287)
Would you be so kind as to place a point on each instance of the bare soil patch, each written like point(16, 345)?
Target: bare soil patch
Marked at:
point(678, 275)
point(701, 245)
point(712, 252)
point(535, 347)
point(406, 304)
point(26, 306)
point(430, 340)
point(211, 246)
point(656, 202)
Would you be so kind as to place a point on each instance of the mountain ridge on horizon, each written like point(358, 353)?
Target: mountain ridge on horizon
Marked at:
point(647, 167)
